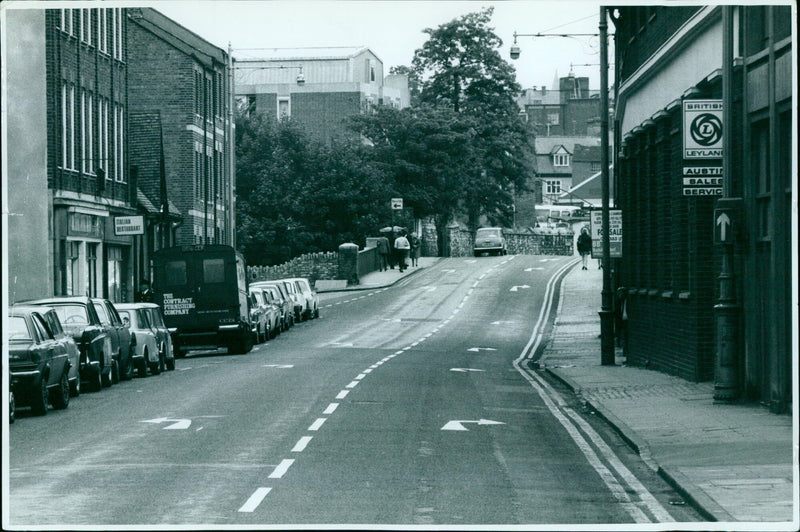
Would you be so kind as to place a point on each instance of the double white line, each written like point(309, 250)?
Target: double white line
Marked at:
point(644, 508)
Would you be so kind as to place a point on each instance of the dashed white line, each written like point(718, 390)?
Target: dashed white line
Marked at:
point(282, 468)
point(317, 424)
point(343, 394)
point(255, 499)
point(301, 444)
point(360, 376)
point(331, 408)
point(352, 384)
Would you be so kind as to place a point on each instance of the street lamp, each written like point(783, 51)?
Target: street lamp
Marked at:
point(606, 312)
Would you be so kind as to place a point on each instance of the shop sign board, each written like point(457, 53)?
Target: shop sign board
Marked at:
point(702, 129)
point(614, 233)
point(128, 225)
point(702, 181)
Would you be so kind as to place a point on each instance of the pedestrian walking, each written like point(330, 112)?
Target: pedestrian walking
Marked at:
point(403, 247)
point(415, 248)
point(585, 247)
point(383, 253)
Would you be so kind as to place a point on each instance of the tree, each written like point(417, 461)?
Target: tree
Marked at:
point(460, 67)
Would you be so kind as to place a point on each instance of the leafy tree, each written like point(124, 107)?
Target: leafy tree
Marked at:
point(460, 67)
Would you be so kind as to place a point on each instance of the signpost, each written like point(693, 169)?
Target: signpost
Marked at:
point(397, 204)
point(614, 234)
point(702, 129)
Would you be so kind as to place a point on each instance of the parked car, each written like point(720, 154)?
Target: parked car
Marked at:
point(491, 240)
point(258, 315)
point(281, 298)
point(274, 312)
point(310, 298)
point(123, 343)
point(163, 337)
point(38, 364)
point(79, 318)
point(296, 297)
point(73, 352)
point(145, 355)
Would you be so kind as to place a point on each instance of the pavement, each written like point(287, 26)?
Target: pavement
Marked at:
point(733, 462)
point(382, 279)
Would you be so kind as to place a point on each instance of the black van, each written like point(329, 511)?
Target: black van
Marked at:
point(202, 290)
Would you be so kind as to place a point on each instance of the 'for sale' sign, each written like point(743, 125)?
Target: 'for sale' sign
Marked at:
point(702, 129)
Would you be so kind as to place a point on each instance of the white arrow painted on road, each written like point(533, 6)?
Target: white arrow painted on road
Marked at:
point(465, 370)
point(476, 349)
point(340, 344)
point(502, 322)
point(517, 287)
point(179, 423)
point(279, 366)
point(457, 424)
point(531, 269)
point(449, 271)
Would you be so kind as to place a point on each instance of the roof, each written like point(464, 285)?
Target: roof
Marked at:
point(546, 145)
point(296, 54)
point(586, 153)
point(150, 208)
point(177, 36)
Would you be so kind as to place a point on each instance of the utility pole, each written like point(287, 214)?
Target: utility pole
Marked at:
point(606, 312)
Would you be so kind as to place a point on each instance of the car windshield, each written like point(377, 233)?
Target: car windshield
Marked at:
point(72, 314)
point(18, 329)
point(485, 233)
point(155, 317)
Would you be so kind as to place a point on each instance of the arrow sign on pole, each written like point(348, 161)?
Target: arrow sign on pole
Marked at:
point(458, 424)
point(723, 221)
point(465, 370)
point(517, 287)
point(179, 423)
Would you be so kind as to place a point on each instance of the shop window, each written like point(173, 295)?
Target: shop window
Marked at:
point(114, 264)
point(72, 267)
point(91, 269)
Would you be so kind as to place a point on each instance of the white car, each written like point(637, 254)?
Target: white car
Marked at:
point(310, 300)
point(146, 353)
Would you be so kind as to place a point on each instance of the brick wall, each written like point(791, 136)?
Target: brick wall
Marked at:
point(460, 243)
point(314, 266)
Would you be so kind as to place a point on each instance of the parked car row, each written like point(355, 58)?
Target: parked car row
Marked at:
point(59, 345)
point(275, 306)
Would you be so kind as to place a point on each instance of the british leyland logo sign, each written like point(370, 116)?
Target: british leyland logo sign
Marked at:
point(702, 129)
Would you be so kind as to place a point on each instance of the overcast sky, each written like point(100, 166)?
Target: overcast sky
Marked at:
point(392, 29)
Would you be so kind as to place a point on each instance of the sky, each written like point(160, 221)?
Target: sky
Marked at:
point(393, 29)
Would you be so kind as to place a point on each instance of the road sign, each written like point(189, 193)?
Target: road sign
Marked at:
point(614, 234)
point(727, 217)
point(397, 204)
point(702, 181)
point(702, 129)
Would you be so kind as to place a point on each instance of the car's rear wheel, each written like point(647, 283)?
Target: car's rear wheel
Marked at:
point(108, 378)
point(59, 397)
point(39, 401)
point(128, 373)
point(75, 387)
point(115, 369)
point(170, 364)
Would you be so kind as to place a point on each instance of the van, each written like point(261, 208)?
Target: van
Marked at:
point(202, 290)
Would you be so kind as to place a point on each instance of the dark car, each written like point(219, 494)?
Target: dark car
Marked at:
point(79, 318)
point(38, 364)
point(489, 240)
point(51, 318)
point(123, 343)
point(282, 299)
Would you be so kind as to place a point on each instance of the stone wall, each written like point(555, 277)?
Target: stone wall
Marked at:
point(460, 241)
point(323, 265)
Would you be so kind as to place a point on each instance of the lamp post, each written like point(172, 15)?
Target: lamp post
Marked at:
point(606, 312)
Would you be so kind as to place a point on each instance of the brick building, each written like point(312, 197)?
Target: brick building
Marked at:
point(68, 177)
point(666, 56)
point(317, 87)
point(180, 107)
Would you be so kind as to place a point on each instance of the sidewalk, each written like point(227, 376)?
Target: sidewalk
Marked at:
point(385, 278)
point(734, 463)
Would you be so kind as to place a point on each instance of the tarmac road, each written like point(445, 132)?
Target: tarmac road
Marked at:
point(406, 405)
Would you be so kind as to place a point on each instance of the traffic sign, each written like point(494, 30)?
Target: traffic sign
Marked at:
point(702, 129)
point(727, 218)
point(397, 204)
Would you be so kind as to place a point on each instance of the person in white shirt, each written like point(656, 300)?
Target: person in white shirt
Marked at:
point(402, 246)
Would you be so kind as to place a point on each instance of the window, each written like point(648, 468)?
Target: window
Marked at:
point(175, 273)
point(68, 126)
point(89, 138)
point(66, 21)
point(73, 252)
point(213, 270)
point(91, 268)
point(114, 265)
point(86, 26)
point(561, 159)
point(102, 136)
point(119, 151)
point(284, 109)
point(553, 186)
point(116, 33)
point(101, 313)
point(595, 166)
point(102, 30)
point(552, 119)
